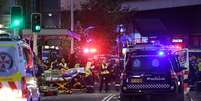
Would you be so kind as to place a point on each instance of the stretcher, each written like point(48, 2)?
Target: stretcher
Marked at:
point(57, 81)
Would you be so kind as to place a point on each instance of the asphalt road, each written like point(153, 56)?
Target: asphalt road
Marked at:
point(82, 97)
point(108, 97)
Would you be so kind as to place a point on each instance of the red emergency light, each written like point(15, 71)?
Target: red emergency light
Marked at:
point(86, 50)
point(93, 50)
point(89, 50)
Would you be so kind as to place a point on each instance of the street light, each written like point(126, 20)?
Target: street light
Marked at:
point(72, 24)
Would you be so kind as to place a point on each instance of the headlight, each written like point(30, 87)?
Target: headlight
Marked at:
point(124, 51)
point(124, 88)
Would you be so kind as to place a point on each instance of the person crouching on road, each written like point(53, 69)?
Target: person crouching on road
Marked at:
point(104, 76)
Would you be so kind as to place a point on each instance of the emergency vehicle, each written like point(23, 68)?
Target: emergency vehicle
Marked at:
point(151, 71)
point(17, 71)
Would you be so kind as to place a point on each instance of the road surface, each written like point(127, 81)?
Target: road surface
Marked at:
point(106, 97)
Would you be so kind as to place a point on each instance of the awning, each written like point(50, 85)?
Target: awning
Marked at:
point(54, 32)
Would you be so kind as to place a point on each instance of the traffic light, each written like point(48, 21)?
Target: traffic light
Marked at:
point(16, 17)
point(36, 22)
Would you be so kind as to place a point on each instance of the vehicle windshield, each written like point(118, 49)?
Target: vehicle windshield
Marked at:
point(141, 63)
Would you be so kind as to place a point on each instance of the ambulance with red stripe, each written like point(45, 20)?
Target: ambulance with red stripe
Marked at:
point(17, 80)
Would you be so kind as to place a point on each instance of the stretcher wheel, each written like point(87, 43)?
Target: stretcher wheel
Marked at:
point(62, 87)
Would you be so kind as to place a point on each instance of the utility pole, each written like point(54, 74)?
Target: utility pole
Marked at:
point(35, 46)
point(72, 24)
point(35, 36)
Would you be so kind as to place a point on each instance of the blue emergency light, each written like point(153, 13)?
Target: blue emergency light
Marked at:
point(161, 53)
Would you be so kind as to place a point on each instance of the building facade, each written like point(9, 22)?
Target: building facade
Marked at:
point(170, 19)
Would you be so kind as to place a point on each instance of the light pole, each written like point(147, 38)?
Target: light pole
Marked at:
point(72, 24)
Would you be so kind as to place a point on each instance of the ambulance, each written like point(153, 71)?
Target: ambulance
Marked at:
point(17, 71)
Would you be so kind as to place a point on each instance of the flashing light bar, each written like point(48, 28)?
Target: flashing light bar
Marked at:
point(93, 50)
point(177, 40)
point(86, 50)
point(89, 50)
point(47, 47)
point(161, 53)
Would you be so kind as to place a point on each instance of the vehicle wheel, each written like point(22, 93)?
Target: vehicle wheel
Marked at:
point(125, 98)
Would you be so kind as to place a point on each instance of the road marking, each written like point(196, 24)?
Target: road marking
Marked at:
point(110, 97)
point(105, 98)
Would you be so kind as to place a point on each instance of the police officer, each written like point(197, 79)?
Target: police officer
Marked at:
point(89, 82)
point(104, 76)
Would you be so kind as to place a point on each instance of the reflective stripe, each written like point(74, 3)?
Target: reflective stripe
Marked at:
point(7, 45)
point(12, 85)
point(14, 77)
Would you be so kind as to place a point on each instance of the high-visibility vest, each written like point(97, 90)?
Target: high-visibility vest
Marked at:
point(77, 65)
point(199, 66)
point(87, 72)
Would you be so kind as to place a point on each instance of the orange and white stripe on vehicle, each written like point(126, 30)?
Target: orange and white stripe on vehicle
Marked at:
point(10, 84)
point(10, 89)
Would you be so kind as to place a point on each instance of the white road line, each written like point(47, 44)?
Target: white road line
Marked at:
point(110, 97)
point(105, 98)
